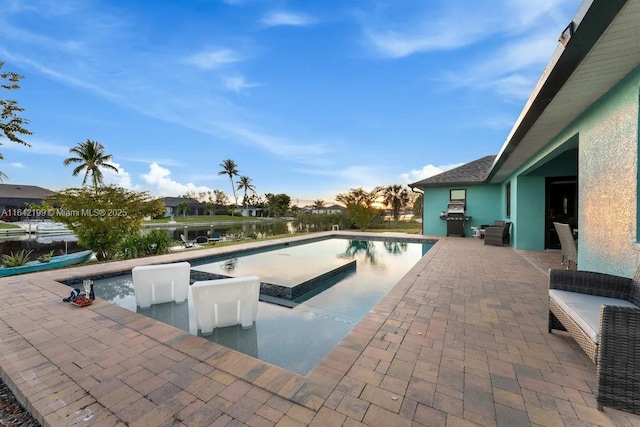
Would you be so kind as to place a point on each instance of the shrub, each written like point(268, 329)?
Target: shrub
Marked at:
point(46, 257)
point(155, 242)
point(103, 217)
point(17, 259)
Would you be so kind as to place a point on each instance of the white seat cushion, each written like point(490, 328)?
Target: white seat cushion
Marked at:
point(584, 309)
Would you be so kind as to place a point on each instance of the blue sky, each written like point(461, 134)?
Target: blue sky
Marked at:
point(309, 98)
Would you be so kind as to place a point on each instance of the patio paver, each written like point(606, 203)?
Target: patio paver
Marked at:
point(460, 340)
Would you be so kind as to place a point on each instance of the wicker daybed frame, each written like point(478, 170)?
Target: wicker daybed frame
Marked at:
point(617, 355)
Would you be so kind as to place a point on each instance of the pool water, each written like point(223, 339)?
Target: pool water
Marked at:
point(296, 338)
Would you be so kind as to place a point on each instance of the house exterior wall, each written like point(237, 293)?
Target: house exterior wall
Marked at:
point(528, 194)
point(481, 205)
point(608, 163)
point(607, 135)
point(527, 212)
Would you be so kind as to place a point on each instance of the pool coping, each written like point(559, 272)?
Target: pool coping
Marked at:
point(310, 391)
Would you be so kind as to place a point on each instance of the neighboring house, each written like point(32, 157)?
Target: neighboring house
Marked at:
point(14, 198)
point(248, 210)
point(329, 209)
point(573, 154)
point(171, 206)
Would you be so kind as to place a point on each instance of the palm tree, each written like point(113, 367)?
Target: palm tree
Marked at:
point(230, 168)
point(318, 204)
point(183, 208)
point(396, 197)
point(244, 183)
point(91, 156)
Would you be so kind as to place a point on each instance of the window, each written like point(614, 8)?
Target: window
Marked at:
point(458, 195)
point(508, 198)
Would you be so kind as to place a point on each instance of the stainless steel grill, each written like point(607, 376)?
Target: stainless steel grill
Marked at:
point(455, 218)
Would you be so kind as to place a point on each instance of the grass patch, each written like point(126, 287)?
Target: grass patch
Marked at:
point(5, 226)
point(397, 226)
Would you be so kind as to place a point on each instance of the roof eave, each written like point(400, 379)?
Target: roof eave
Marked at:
point(590, 22)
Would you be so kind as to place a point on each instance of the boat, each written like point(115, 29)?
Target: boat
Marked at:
point(56, 262)
point(48, 227)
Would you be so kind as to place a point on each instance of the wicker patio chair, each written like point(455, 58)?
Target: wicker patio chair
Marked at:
point(617, 352)
point(497, 234)
point(567, 243)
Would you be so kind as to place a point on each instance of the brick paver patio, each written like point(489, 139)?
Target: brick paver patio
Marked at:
point(461, 340)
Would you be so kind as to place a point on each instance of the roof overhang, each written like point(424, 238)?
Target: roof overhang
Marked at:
point(602, 50)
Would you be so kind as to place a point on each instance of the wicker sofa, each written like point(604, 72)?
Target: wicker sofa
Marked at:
point(497, 234)
point(601, 312)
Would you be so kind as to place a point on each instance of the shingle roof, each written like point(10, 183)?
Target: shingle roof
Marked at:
point(470, 173)
point(17, 191)
point(175, 201)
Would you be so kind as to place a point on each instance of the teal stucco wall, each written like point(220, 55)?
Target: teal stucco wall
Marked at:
point(606, 135)
point(607, 184)
point(528, 192)
point(482, 205)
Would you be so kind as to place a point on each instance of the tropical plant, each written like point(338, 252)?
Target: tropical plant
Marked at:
point(220, 198)
point(183, 208)
point(359, 205)
point(46, 257)
point(395, 197)
point(17, 259)
point(359, 196)
point(91, 158)
point(156, 242)
point(277, 204)
point(11, 124)
point(318, 204)
point(244, 183)
point(230, 168)
point(103, 217)
point(210, 207)
point(417, 206)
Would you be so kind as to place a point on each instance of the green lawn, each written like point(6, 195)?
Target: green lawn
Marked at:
point(4, 225)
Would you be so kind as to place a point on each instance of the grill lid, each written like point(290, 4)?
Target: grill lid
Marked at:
point(455, 207)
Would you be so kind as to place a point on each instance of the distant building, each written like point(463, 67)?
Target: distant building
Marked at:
point(248, 210)
point(15, 198)
point(172, 206)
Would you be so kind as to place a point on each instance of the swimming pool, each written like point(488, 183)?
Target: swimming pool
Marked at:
point(298, 336)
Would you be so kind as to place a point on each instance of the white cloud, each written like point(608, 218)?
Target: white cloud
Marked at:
point(427, 171)
point(16, 165)
point(208, 60)
point(159, 179)
point(274, 19)
point(303, 152)
point(238, 84)
point(396, 31)
point(40, 147)
point(511, 70)
point(121, 178)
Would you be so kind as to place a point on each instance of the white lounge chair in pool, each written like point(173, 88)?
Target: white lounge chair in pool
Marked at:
point(225, 302)
point(160, 283)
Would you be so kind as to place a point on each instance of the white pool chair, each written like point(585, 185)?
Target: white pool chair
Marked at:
point(225, 302)
point(160, 283)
